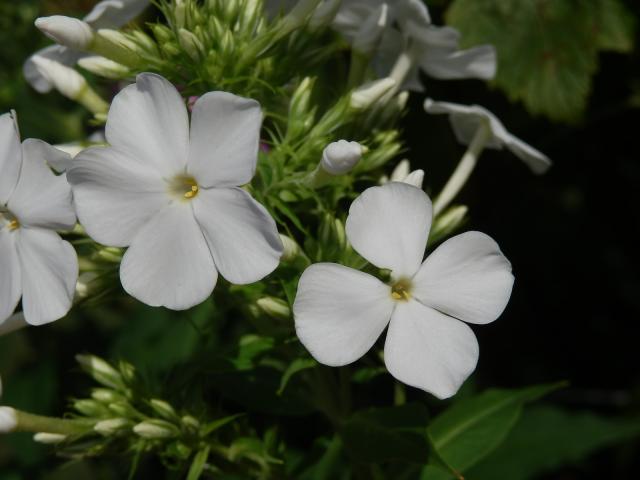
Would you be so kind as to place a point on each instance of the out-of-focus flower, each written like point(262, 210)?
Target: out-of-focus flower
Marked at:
point(340, 312)
point(35, 263)
point(171, 193)
point(403, 173)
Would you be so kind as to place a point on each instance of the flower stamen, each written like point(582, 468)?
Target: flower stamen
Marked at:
point(184, 187)
point(13, 225)
point(401, 290)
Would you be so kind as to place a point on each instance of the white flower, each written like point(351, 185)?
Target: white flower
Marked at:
point(403, 173)
point(340, 312)
point(35, 263)
point(369, 93)
point(67, 31)
point(341, 156)
point(8, 420)
point(64, 79)
point(171, 194)
point(465, 121)
point(106, 14)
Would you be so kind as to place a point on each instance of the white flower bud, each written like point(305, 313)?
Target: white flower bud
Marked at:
point(368, 37)
point(162, 408)
point(366, 95)
point(415, 178)
point(8, 420)
point(274, 307)
point(67, 31)
point(65, 79)
point(341, 156)
point(112, 426)
point(290, 248)
point(49, 438)
point(104, 67)
point(100, 370)
point(155, 429)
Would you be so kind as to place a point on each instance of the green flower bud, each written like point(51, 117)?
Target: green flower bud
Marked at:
point(274, 307)
point(100, 371)
point(156, 429)
point(190, 44)
point(90, 408)
point(112, 426)
point(164, 409)
point(162, 33)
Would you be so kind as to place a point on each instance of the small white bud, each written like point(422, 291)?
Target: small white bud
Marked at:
point(274, 307)
point(341, 156)
point(112, 426)
point(368, 37)
point(415, 178)
point(67, 31)
point(290, 248)
point(100, 370)
point(155, 429)
point(49, 438)
point(8, 419)
point(103, 67)
point(65, 79)
point(366, 95)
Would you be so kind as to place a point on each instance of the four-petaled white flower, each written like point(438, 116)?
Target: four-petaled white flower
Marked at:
point(340, 312)
point(465, 121)
point(35, 263)
point(106, 14)
point(171, 193)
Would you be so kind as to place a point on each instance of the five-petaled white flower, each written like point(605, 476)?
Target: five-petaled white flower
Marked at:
point(171, 193)
point(106, 14)
point(465, 121)
point(340, 312)
point(35, 262)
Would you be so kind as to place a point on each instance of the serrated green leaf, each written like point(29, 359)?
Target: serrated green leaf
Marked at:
point(469, 430)
point(199, 461)
point(547, 49)
point(547, 438)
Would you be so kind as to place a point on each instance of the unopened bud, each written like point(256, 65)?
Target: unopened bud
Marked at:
point(274, 307)
point(366, 95)
point(341, 156)
point(90, 408)
point(156, 429)
point(447, 222)
point(100, 370)
point(190, 422)
point(8, 419)
point(67, 31)
point(110, 254)
point(415, 178)
point(368, 37)
point(290, 248)
point(164, 409)
point(190, 44)
point(49, 438)
point(104, 67)
point(112, 426)
point(106, 396)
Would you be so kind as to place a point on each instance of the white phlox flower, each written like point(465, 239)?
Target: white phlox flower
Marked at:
point(340, 312)
point(106, 14)
point(403, 173)
point(35, 263)
point(171, 193)
point(411, 42)
point(465, 121)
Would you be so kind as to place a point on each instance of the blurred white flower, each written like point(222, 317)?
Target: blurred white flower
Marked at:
point(171, 193)
point(35, 263)
point(106, 14)
point(340, 312)
point(465, 121)
point(403, 173)
point(340, 157)
point(8, 420)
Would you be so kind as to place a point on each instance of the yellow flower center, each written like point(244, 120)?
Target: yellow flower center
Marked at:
point(184, 187)
point(401, 290)
point(8, 220)
point(13, 225)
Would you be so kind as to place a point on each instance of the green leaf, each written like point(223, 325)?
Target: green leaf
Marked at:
point(199, 461)
point(547, 50)
point(249, 348)
point(383, 434)
point(547, 438)
point(296, 366)
point(219, 423)
point(472, 428)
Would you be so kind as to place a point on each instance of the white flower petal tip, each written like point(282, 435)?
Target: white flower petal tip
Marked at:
point(340, 157)
point(67, 31)
point(8, 420)
point(465, 120)
point(389, 226)
point(340, 312)
point(170, 192)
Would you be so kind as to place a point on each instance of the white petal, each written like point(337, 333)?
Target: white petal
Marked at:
point(115, 194)
point(10, 155)
point(41, 199)
point(537, 161)
point(478, 62)
point(389, 226)
point(60, 54)
point(340, 312)
point(169, 263)
point(241, 234)
point(428, 350)
point(225, 137)
point(10, 276)
point(114, 13)
point(467, 277)
point(49, 274)
point(148, 120)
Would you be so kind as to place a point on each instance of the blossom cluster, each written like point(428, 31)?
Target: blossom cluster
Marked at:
point(170, 190)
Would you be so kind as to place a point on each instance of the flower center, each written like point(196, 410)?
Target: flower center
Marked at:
point(184, 187)
point(401, 290)
point(8, 220)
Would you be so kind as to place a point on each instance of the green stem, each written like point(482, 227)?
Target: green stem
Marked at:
point(28, 422)
point(464, 169)
point(357, 69)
